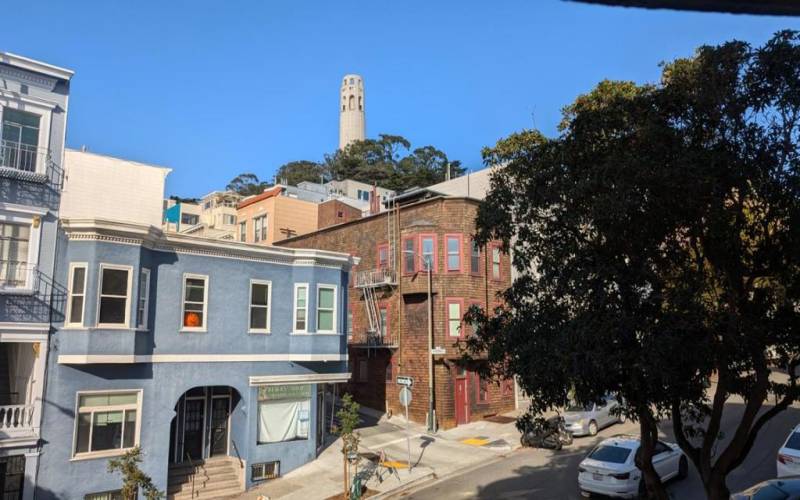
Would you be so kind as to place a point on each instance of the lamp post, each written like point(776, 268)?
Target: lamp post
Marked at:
point(426, 263)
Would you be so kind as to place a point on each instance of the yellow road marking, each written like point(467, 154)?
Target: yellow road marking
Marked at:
point(395, 464)
point(475, 441)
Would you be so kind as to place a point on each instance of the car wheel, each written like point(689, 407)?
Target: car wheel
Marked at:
point(592, 428)
point(586, 494)
point(683, 468)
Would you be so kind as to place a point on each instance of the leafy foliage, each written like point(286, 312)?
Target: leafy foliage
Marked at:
point(132, 476)
point(247, 184)
point(348, 422)
point(655, 240)
point(295, 172)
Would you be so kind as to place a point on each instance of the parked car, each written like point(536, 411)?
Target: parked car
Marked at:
point(788, 463)
point(774, 489)
point(610, 468)
point(587, 420)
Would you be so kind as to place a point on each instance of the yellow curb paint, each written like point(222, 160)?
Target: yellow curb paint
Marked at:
point(475, 441)
point(394, 464)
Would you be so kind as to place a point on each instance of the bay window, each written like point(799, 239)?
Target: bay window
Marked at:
point(409, 256)
point(14, 253)
point(453, 248)
point(326, 309)
point(20, 145)
point(454, 314)
point(76, 299)
point(107, 422)
point(114, 297)
point(195, 303)
point(300, 307)
point(144, 298)
point(283, 413)
point(260, 295)
point(427, 244)
point(475, 258)
point(496, 262)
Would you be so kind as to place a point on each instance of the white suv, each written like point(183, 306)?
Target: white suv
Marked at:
point(788, 463)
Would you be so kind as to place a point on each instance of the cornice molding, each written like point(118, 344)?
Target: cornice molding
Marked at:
point(44, 71)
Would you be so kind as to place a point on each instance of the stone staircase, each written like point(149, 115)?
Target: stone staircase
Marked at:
point(217, 477)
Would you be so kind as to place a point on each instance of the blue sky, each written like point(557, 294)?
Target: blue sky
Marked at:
point(212, 91)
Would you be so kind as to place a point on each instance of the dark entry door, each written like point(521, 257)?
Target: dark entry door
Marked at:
point(462, 401)
point(195, 413)
point(12, 474)
point(220, 410)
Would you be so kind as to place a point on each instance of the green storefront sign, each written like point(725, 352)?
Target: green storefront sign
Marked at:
point(278, 392)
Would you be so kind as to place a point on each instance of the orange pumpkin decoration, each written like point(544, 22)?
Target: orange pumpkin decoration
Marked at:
point(191, 319)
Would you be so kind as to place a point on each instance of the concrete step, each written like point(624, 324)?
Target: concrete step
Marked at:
point(210, 466)
point(230, 492)
point(208, 487)
point(200, 478)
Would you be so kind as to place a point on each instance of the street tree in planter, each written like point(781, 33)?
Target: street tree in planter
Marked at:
point(132, 476)
point(348, 421)
point(656, 245)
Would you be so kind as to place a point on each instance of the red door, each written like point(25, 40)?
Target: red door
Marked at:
point(462, 401)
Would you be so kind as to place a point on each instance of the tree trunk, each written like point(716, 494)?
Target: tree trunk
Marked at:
point(716, 489)
point(648, 431)
point(346, 489)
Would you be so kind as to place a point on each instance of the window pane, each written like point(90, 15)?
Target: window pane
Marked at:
point(129, 438)
point(122, 398)
point(112, 310)
point(82, 437)
point(115, 282)
point(107, 430)
point(76, 310)
point(453, 262)
point(78, 279)
point(258, 318)
point(194, 289)
point(325, 320)
point(283, 420)
point(452, 245)
point(326, 298)
point(22, 118)
point(193, 319)
point(260, 295)
point(301, 297)
point(427, 246)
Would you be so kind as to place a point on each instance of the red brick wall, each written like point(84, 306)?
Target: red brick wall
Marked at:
point(408, 307)
point(329, 213)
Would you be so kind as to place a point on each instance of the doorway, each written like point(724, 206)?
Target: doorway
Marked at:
point(220, 418)
point(194, 420)
point(462, 399)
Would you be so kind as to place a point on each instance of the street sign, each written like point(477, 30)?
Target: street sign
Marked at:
point(405, 381)
point(405, 396)
point(438, 351)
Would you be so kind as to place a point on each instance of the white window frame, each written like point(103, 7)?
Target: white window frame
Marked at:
point(71, 294)
point(37, 107)
point(20, 214)
point(243, 231)
point(269, 306)
point(204, 326)
point(294, 307)
point(106, 453)
point(117, 267)
point(142, 319)
point(326, 286)
point(260, 228)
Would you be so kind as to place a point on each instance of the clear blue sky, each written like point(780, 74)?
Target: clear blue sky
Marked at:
point(212, 89)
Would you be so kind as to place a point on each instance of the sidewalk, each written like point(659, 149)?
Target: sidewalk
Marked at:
point(432, 456)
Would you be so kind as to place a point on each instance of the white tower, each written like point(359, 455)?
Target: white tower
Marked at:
point(351, 110)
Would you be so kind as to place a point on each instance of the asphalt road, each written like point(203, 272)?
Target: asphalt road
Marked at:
point(545, 475)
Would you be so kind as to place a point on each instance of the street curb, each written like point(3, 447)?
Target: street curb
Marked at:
point(423, 481)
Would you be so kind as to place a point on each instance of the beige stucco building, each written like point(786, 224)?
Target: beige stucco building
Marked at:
point(272, 216)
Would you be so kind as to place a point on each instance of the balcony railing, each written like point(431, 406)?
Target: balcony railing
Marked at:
point(16, 275)
point(374, 339)
point(16, 418)
point(375, 278)
point(30, 163)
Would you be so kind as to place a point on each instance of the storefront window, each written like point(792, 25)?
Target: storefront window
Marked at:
point(283, 413)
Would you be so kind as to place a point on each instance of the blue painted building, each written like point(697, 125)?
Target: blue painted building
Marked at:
point(33, 112)
point(213, 357)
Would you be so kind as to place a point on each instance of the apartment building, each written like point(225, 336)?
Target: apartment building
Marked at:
point(34, 100)
point(393, 309)
point(213, 217)
point(215, 357)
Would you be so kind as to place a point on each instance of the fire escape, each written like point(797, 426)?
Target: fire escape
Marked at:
point(376, 283)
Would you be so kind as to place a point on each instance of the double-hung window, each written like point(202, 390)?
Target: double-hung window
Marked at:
point(383, 318)
point(409, 256)
point(114, 298)
point(474, 258)
point(14, 253)
point(349, 322)
point(20, 144)
point(195, 303)
point(300, 307)
point(326, 309)
point(107, 422)
point(454, 314)
point(260, 228)
point(453, 248)
point(383, 256)
point(77, 294)
point(427, 244)
point(496, 262)
point(142, 304)
point(260, 295)
point(243, 231)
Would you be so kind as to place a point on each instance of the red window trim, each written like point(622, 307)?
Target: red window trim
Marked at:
point(380, 247)
point(460, 302)
point(385, 306)
point(478, 399)
point(422, 236)
point(414, 265)
point(469, 256)
point(499, 248)
point(460, 238)
point(507, 387)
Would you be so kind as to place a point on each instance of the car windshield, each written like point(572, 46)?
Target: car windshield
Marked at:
point(574, 406)
point(611, 454)
point(794, 441)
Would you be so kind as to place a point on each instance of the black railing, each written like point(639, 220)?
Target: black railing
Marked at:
point(238, 456)
point(28, 162)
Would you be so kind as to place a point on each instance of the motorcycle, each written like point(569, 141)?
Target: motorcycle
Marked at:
point(551, 433)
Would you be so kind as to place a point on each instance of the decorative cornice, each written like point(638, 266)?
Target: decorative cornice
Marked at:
point(43, 71)
point(155, 239)
point(306, 378)
point(89, 359)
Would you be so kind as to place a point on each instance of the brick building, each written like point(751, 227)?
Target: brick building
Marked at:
point(387, 323)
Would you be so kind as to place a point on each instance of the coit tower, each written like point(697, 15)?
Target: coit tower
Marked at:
point(351, 110)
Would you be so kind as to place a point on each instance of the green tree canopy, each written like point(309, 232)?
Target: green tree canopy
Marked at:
point(246, 184)
point(655, 240)
point(295, 172)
